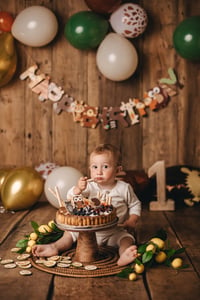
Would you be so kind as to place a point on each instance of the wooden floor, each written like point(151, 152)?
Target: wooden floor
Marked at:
point(158, 283)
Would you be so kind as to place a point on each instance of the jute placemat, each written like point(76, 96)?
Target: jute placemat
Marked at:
point(106, 265)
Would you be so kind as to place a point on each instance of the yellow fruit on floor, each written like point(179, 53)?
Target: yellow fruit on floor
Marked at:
point(31, 243)
point(151, 247)
point(44, 229)
point(160, 243)
point(33, 236)
point(28, 249)
point(160, 257)
point(51, 224)
point(132, 276)
point(176, 263)
point(139, 269)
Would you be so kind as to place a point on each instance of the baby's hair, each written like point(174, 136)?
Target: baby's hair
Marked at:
point(102, 148)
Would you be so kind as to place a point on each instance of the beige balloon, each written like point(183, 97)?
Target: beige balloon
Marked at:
point(116, 57)
point(35, 26)
point(21, 188)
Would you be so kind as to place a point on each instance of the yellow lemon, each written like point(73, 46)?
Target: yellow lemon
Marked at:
point(132, 276)
point(28, 249)
point(33, 236)
point(31, 243)
point(51, 224)
point(160, 243)
point(139, 268)
point(176, 263)
point(151, 247)
point(44, 229)
point(160, 257)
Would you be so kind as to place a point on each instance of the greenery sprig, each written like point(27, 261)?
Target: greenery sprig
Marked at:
point(42, 234)
point(155, 251)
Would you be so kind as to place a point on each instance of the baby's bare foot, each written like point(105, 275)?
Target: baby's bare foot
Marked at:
point(128, 256)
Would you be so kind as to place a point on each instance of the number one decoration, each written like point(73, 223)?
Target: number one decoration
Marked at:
point(158, 169)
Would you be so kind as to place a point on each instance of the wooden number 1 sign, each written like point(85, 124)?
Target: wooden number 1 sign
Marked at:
point(162, 203)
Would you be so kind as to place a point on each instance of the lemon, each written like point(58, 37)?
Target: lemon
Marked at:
point(139, 269)
point(33, 236)
point(132, 276)
point(157, 241)
point(176, 263)
point(31, 243)
point(51, 224)
point(151, 247)
point(160, 257)
point(44, 229)
point(28, 249)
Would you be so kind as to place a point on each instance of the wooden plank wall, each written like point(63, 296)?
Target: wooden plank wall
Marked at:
point(31, 132)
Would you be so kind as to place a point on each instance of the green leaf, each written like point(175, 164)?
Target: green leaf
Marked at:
point(142, 248)
point(180, 250)
point(137, 261)
point(52, 237)
point(184, 266)
point(22, 243)
point(35, 226)
point(22, 250)
point(170, 252)
point(147, 256)
point(125, 272)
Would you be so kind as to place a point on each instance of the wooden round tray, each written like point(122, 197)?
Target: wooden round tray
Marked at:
point(106, 265)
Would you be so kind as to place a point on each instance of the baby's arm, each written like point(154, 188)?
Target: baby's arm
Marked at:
point(81, 186)
point(131, 222)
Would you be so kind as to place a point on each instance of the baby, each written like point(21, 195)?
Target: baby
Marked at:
point(104, 164)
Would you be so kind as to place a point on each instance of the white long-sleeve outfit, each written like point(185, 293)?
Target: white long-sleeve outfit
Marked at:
point(123, 199)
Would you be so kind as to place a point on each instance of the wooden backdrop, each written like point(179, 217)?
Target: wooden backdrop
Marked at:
point(31, 132)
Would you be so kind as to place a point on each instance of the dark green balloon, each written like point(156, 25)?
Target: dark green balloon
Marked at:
point(86, 30)
point(186, 38)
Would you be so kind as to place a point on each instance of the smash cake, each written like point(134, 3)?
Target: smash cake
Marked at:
point(80, 211)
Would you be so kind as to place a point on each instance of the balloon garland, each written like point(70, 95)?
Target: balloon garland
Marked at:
point(127, 21)
point(90, 116)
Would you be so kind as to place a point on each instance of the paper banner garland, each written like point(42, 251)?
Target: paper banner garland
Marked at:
point(127, 114)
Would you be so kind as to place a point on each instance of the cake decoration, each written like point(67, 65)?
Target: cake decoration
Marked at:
point(81, 211)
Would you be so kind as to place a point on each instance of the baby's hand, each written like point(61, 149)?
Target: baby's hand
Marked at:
point(82, 183)
point(130, 223)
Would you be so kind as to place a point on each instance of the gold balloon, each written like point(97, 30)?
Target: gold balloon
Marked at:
point(8, 58)
point(21, 188)
point(3, 174)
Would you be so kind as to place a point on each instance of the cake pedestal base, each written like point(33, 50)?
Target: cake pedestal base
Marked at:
point(87, 248)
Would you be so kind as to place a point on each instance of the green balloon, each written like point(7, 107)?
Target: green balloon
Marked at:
point(186, 38)
point(86, 30)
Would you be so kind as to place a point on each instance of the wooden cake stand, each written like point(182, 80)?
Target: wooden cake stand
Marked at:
point(87, 250)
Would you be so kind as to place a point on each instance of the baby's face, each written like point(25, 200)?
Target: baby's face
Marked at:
point(103, 168)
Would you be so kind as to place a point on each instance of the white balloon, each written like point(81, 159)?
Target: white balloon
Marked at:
point(116, 57)
point(35, 26)
point(63, 178)
point(129, 20)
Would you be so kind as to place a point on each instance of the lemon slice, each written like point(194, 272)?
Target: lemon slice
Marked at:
point(10, 266)
point(77, 264)
point(25, 272)
point(63, 265)
point(49, 263)
point(6, 261)
point(90, 267)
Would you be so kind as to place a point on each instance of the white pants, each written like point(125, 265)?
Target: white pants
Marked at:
point(110, 237)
